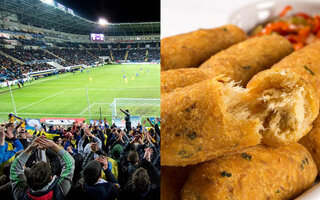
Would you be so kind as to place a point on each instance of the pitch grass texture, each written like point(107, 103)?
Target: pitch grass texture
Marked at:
point(65, 95)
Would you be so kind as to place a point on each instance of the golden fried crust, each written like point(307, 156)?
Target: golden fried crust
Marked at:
point(312, 142)
point(177, 78)
point(172, 181)
point(305, 62)
point(243, 60)
point(259, 172)
point(191, 49)
point(197, 127)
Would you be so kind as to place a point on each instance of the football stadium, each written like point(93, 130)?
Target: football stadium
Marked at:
point(79, 104)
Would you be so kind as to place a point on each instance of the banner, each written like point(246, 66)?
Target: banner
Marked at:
point(61, 121)
point(96, 122)
point(153, 120)
point(120, 123)
point(135, 120)
point(33, 124)
point(15, 119)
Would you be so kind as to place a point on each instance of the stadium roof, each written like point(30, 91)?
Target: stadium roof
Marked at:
point(63, 19)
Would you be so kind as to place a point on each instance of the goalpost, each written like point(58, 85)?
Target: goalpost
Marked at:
point(137, 107)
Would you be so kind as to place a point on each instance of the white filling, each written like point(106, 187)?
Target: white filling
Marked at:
point(234, 101)
point(285, 112)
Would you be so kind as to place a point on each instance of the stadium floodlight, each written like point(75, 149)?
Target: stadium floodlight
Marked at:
point(103, 22)
point(70, 11)
point(50, 2)
point(61, 7)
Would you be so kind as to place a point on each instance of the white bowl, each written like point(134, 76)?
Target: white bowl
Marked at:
point(247, 17)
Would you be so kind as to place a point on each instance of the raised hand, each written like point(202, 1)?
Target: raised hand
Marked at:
point(45, 144)
point(35, 144)
point(148, 136)
point(2, 135)
point(104, 162)
point(9, 133)
point(149, 152)
point(69, 149)
point(140, 140)
point(88, 132)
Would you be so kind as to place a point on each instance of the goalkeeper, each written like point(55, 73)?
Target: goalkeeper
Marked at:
point(127, 119)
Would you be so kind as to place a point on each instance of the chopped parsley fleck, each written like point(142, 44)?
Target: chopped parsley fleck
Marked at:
point(311, 72)
point(192, 136)
point(235, 145)
point(182, 152)
point(246, 67)
point(225, 174)
point(225, 29)
point(246, 156)
point(304, 162)
point(278, 191)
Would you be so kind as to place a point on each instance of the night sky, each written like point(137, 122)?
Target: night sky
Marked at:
point(116, 11)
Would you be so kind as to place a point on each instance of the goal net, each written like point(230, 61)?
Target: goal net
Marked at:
point(137, 107)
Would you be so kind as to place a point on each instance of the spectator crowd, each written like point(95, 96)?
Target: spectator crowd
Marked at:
point(10, 70)
point(70, 54)
point(28, 54)
point(97, 161)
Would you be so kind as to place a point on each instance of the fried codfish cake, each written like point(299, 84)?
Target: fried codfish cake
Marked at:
point(260, 172)
point(210, 118)
point(306, 63)
point(172, 181)
point(240, 62)
point(191, 49)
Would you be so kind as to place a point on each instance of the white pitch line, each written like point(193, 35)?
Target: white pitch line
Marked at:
point(86, 109)
point(93, 105)
point(101, 88)
point(49, 114)
point(42, 99)
point(61, 114)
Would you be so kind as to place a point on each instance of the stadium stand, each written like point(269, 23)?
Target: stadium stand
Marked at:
point(80, 161)
point(26, 55)
point(30, 39)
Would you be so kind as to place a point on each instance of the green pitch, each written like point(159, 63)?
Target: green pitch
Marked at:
point(66, 95)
